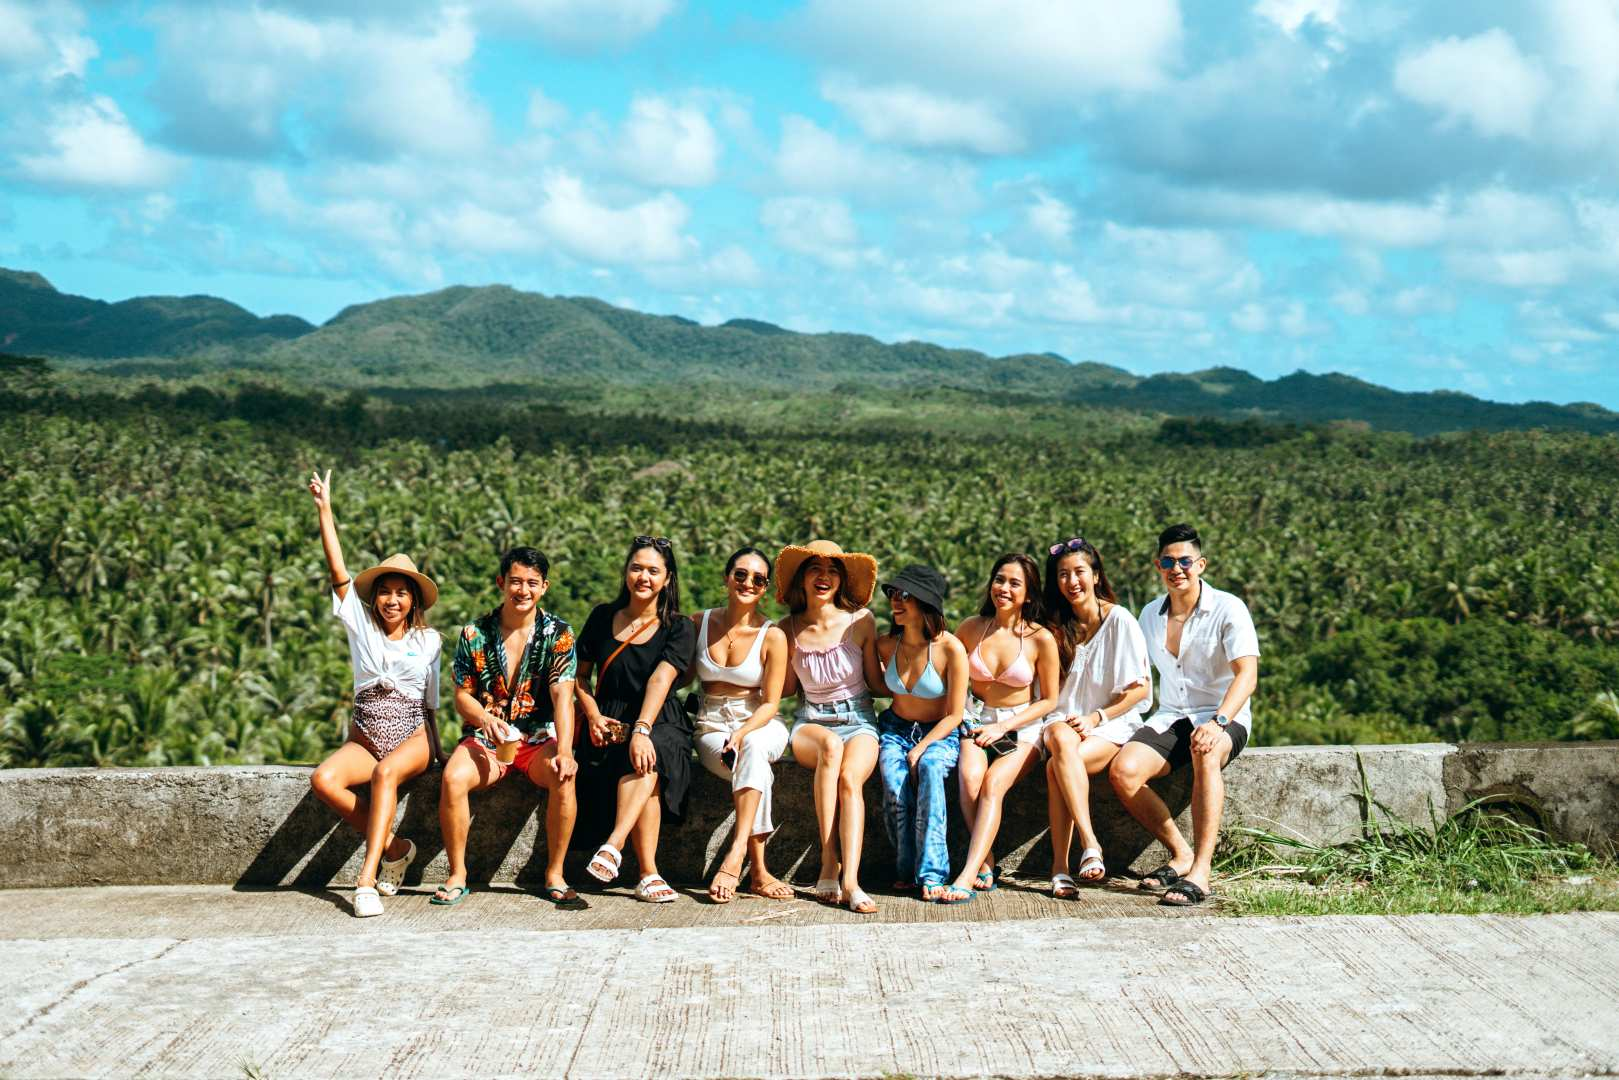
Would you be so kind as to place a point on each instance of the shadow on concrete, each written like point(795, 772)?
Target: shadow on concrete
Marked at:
point(310, 848)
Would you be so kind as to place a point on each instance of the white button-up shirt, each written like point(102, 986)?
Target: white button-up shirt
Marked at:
point(1218, 632)
point(409, 665)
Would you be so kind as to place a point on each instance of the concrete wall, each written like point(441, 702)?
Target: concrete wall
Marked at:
point(256, 826)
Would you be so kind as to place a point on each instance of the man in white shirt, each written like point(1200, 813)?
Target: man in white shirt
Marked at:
point(1203, 643)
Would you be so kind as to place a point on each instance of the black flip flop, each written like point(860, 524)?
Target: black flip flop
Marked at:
point(564, 898)
point(1191, 892)
point(1165, 876)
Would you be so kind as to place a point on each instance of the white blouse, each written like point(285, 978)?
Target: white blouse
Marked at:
point(409, 665)
point(1114, 659)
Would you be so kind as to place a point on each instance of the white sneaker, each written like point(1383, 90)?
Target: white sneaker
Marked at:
point(367, 903)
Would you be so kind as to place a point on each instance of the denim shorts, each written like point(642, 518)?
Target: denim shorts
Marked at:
point(845, 719)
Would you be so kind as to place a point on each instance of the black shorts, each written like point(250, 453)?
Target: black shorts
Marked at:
point(1175, 745)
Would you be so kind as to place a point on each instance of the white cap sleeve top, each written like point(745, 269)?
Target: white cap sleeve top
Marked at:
point(408, 666)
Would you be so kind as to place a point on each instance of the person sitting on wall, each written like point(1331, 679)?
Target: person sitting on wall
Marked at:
point(1203, 643)
point(514, 674)
point(392, 736)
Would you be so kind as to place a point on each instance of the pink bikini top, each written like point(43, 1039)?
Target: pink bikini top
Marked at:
point(834, 673)
point(1018, 673)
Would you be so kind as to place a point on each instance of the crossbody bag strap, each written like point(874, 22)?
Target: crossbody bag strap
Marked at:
point(601, 672)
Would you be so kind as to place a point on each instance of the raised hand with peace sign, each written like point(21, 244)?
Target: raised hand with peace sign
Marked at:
point(320, 489)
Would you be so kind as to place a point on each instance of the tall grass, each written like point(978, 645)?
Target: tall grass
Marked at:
point(1477, 860)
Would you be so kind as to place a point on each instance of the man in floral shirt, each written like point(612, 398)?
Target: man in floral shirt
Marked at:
point(514, 667)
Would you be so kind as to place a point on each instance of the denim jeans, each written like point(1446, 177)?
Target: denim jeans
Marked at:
point(916, 805)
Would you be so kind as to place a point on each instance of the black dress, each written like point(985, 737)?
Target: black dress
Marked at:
point(619, 696)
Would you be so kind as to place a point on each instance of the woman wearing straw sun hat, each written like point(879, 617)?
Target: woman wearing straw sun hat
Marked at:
point(392, 737)
point(832, 652)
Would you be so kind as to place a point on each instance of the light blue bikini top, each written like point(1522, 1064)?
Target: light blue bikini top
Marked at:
point(928, 685)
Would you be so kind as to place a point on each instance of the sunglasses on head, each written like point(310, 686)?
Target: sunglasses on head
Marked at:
point(1076, 544)
point(1169, 562)
point(660, 542)
point(896, 594)
point(742, 577)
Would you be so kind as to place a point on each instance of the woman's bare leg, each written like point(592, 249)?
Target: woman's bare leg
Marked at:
point(815, 747)
point(405, 762)
point(859, 759)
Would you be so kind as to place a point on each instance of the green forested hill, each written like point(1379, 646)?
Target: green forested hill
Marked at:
point(465, 337)
point(36, 318)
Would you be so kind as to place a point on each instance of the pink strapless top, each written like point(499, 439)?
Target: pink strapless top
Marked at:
point(830, 674)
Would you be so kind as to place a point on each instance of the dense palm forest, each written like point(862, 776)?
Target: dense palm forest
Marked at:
point(165, 598)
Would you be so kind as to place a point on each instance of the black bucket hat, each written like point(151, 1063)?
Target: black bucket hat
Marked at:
point(922, 582)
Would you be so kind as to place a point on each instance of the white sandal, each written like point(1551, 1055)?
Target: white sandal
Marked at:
point(1091, 859)
point(367, 904)
point(654, 890)
point(391, 872)
point(1063, 887)
point(861, 904)
point(828, 891)
point(605, 864)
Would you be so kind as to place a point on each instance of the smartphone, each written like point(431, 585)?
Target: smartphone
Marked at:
point(729, 757)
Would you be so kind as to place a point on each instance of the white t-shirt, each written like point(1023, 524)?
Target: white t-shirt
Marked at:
point(409, 665)
point(1114, 659)
point(1218, 632)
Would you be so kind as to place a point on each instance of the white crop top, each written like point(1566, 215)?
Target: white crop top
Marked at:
point(750, 672)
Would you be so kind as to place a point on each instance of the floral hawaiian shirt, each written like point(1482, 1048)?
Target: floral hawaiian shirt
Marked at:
point(480, 669)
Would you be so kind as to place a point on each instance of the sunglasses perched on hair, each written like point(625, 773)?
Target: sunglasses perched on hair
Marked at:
point(660, 542)
point(742, 577)
point(1169, 562)
point(1076, 544)
point(896, 594)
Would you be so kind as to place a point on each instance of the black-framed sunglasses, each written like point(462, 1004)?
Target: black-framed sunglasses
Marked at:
point(662, 543)
point(893, 593)
point(1076, 544)
point(742, 577)
point(1169, 562)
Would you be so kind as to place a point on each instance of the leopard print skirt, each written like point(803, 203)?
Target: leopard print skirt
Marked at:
point(385, 718)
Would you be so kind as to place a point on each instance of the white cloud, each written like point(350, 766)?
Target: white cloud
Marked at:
point(1051, 219)
point(544, 112)
point(1291, 15)
point(823, 229)
point(236, 80)
point(43, 40)
point(1422, 300)
point(580, 24)
point(1351, 302)
point(92, 145)
point(645, 232)
point(1251, 318)
point(813, 159)
point(1032, 50)
point(1482, 80)
point(1295, 321)
point(666, 144)
point(910, 116)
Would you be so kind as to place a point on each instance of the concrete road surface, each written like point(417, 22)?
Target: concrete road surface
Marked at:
point(209, 982)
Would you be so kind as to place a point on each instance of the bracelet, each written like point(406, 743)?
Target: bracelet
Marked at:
point(340, 584)
point(642, 728)
point(1101, 717)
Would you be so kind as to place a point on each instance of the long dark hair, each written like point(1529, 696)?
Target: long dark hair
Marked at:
point(797, 601)
point(1033, 602)
point(669, 597)
point(1060, 618)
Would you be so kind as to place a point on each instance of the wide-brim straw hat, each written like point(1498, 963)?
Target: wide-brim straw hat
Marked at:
point(860, 569)
point(365, 582)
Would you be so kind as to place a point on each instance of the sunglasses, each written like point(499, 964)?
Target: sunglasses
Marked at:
point(896, 594)
point(1169, 562)
point(660, 542)
point(1076, 544)
point(742, 577)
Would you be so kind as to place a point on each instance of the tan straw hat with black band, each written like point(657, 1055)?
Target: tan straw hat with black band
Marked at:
point(859, 568)
point(365, 582)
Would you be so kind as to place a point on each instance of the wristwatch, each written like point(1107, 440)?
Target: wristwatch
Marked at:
point(642, 729)
point(1222, 720)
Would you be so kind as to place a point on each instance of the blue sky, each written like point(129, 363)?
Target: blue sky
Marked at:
point(1421, 195)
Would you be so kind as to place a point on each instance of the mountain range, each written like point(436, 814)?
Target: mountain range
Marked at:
point(466, 336)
